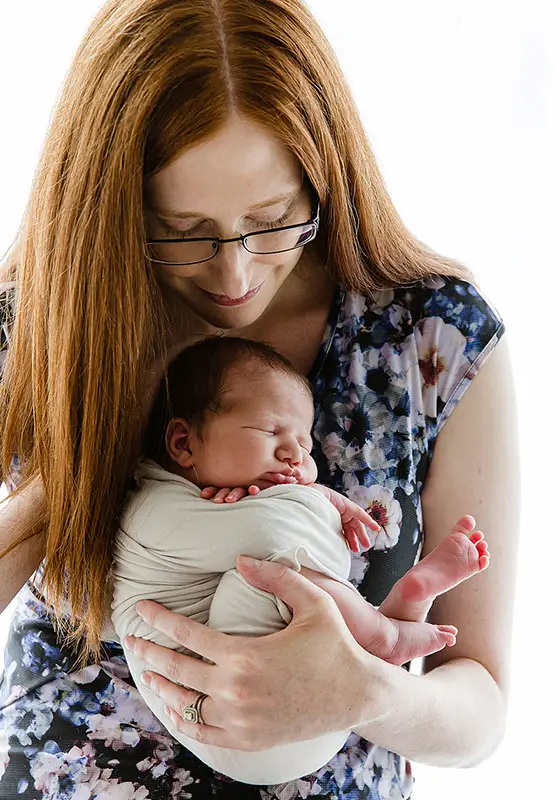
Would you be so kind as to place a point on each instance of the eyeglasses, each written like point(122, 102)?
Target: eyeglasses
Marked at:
point(183, 252)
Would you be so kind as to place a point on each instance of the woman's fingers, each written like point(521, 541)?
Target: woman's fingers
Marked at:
point(178, 697)
point(297, 592)
point(176, 667)
point(206, 734)
point(201, 639)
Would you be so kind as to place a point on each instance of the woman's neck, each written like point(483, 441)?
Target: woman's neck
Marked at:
point(297, 314)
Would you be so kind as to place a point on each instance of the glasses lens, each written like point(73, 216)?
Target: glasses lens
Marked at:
point(269, 242)
point(186, 252)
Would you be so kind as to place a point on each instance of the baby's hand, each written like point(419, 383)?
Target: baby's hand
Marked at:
point(227, 495)
point(354, 519)
point(224, 495)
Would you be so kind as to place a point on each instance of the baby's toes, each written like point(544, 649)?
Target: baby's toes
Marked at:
point(447, 634)
point(482, 547)
point(465, 525)
point(483, 554)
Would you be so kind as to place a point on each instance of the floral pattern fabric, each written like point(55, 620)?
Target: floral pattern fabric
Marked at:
point(389, 372)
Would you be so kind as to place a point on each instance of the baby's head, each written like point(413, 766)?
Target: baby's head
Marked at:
point(233, 412)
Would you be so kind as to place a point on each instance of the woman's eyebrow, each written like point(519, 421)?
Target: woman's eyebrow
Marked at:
point(169, 212)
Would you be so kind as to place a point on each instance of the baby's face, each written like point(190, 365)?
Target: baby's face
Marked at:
point(264, 429)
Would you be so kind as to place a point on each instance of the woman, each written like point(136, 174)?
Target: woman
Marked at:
point(207, 121)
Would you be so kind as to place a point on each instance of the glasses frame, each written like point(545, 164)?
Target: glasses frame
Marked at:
point(218, 242)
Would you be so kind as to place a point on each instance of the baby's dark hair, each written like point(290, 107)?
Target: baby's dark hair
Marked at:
point(196, 381)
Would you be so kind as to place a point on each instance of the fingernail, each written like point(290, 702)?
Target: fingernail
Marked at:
point(141, 608)
point(146, 679)
point(129, 642)
point(247, 561)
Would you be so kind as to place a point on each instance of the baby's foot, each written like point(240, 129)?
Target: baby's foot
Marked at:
point(460, 556)
point(397, 642)
point(391, 639)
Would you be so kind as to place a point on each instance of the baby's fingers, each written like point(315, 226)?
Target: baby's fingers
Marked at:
point(230, 495)
point(363, 535)
point(350, 536)
point(356, 535)
point(236, 494)
point(279, 478)
point(367, 520)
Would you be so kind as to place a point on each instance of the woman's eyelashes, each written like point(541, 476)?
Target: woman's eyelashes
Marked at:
point(197, 232)
point(274, 223)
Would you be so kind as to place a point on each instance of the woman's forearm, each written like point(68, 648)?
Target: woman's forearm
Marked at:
point(22, 513)
point(454, 716)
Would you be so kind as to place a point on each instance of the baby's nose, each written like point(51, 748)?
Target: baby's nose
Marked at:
point(290, 453)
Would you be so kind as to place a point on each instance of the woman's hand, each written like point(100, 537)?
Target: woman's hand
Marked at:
point(304, 681)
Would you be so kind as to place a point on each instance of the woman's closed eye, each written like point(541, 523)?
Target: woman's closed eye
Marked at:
point(274, 223)
point(175, 233)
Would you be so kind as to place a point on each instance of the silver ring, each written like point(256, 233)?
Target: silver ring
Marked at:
point(193, 713)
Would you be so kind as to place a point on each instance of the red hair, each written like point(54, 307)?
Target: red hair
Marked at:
point(151, 78)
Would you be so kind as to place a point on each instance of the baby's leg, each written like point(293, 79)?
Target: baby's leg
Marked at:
point(393, 640)
point(462, 554)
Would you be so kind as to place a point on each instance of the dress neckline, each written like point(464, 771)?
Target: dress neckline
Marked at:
point(328, 335)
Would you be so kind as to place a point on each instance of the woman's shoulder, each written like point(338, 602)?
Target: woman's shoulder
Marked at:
point(454, 301)
point(437, 314)
point(427, 339)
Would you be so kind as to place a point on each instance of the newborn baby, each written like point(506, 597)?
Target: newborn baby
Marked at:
point(232, 422)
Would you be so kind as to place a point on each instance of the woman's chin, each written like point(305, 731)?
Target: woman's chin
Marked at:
point(227, 317)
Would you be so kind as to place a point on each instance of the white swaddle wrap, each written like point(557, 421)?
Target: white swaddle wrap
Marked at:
point(179, 549)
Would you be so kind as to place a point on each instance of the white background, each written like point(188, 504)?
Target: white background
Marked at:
point(461, 102)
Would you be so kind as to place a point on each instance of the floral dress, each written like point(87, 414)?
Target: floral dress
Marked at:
point(389, 372)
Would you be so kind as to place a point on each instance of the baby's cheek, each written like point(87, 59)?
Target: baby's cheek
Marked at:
point(308, 470)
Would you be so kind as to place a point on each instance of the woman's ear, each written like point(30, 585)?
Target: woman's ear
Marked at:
point(177, 440)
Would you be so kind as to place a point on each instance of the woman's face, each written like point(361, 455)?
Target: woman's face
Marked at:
point(239, 181)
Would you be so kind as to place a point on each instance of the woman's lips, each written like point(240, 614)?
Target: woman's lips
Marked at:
point(224, 300)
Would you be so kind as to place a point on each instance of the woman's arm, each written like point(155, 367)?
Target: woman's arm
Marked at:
point(316, 672)
point(455, 714)
point(23, 512)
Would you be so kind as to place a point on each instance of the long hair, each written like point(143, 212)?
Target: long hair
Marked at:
point(151, 78)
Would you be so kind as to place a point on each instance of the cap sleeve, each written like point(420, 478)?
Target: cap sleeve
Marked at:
point(456, 331)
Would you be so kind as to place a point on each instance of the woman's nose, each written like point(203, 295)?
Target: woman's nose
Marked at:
point(231, 267)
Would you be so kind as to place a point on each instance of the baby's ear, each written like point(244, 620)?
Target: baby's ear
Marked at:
point(177, 440)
